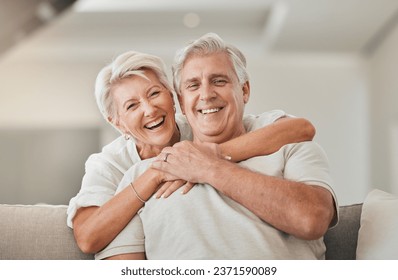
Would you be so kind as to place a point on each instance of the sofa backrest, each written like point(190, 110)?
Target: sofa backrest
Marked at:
point(37, 232)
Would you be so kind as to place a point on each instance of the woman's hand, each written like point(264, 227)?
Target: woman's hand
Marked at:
point(171, 186)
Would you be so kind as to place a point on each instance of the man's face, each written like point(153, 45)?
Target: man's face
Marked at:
point(212, 98)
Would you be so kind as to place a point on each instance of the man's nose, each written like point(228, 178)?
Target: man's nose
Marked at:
point(207, 92)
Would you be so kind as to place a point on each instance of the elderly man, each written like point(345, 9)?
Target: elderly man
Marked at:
point(269, 207)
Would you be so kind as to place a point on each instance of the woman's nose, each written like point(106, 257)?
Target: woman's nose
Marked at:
point(149, 109)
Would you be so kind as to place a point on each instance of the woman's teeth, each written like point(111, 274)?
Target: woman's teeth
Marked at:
point(155, 123)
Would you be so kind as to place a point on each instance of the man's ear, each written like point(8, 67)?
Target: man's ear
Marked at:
point(246, 91)
point(181, 102)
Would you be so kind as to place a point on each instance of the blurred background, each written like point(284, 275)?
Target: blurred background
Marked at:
point(333, 62)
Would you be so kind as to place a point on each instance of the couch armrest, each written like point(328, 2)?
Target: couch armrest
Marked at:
point(37, 232)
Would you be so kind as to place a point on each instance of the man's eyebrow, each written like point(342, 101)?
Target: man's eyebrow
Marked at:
point(212, 76)
point(190, 80)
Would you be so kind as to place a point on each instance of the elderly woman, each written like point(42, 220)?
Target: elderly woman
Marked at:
point(134, 95)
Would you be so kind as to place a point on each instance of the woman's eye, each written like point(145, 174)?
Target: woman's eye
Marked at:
point(131, 106)
point(155, 93)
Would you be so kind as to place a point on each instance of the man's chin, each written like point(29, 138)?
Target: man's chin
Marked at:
point(210, 136)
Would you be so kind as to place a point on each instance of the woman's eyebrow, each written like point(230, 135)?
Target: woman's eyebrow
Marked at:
point(127, 101)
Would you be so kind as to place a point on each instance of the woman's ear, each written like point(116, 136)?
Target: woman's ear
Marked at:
point(246, 91)
point(116, 123)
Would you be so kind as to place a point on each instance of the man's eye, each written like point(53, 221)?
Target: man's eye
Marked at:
point(192, 86)
point(219, 82)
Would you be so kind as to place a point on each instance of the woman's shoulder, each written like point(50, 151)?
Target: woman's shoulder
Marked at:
point(115, 146)
point(119, 153)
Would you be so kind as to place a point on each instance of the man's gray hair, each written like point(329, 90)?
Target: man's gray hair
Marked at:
point(209, 43)
point(125, 65)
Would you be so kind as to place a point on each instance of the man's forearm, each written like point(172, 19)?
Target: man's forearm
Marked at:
point(295, 208)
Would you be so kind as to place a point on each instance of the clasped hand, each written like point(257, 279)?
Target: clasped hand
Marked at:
point(188, 161)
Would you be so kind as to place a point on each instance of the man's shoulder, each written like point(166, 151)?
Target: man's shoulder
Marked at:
point(135, 171)
point(303, 147)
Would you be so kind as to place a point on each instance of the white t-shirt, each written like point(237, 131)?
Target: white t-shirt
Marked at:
point(205, 224)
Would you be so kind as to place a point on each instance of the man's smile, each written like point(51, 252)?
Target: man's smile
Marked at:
point(210, 110)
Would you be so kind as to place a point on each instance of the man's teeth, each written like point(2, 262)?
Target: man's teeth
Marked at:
point(208, 111)
point(154, 123)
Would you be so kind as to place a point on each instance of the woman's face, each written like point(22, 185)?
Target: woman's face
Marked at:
point(146, 110)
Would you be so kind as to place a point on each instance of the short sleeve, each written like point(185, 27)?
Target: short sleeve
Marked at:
point(98, 185)
point(130, 240)
point(307, 162)
point(254, 122)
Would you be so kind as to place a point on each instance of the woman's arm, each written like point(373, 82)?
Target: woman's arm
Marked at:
point(94, 227)
point(263, 141)
point(268, 139)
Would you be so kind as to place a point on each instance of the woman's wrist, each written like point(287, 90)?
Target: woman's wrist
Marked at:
point(147, 184)
point(156, 176)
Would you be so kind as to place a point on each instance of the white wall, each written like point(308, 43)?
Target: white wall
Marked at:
point(394, 158)
point(44, 165)
point(384, 69)
point(49, 125)
point(333, 92)
point(50, 93)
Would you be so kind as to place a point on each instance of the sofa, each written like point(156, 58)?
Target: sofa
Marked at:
point(367, 230)
point(39, 232)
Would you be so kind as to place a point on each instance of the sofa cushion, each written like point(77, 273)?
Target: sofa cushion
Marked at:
point(36, 232)
point(341, 240)
point(378, 234)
